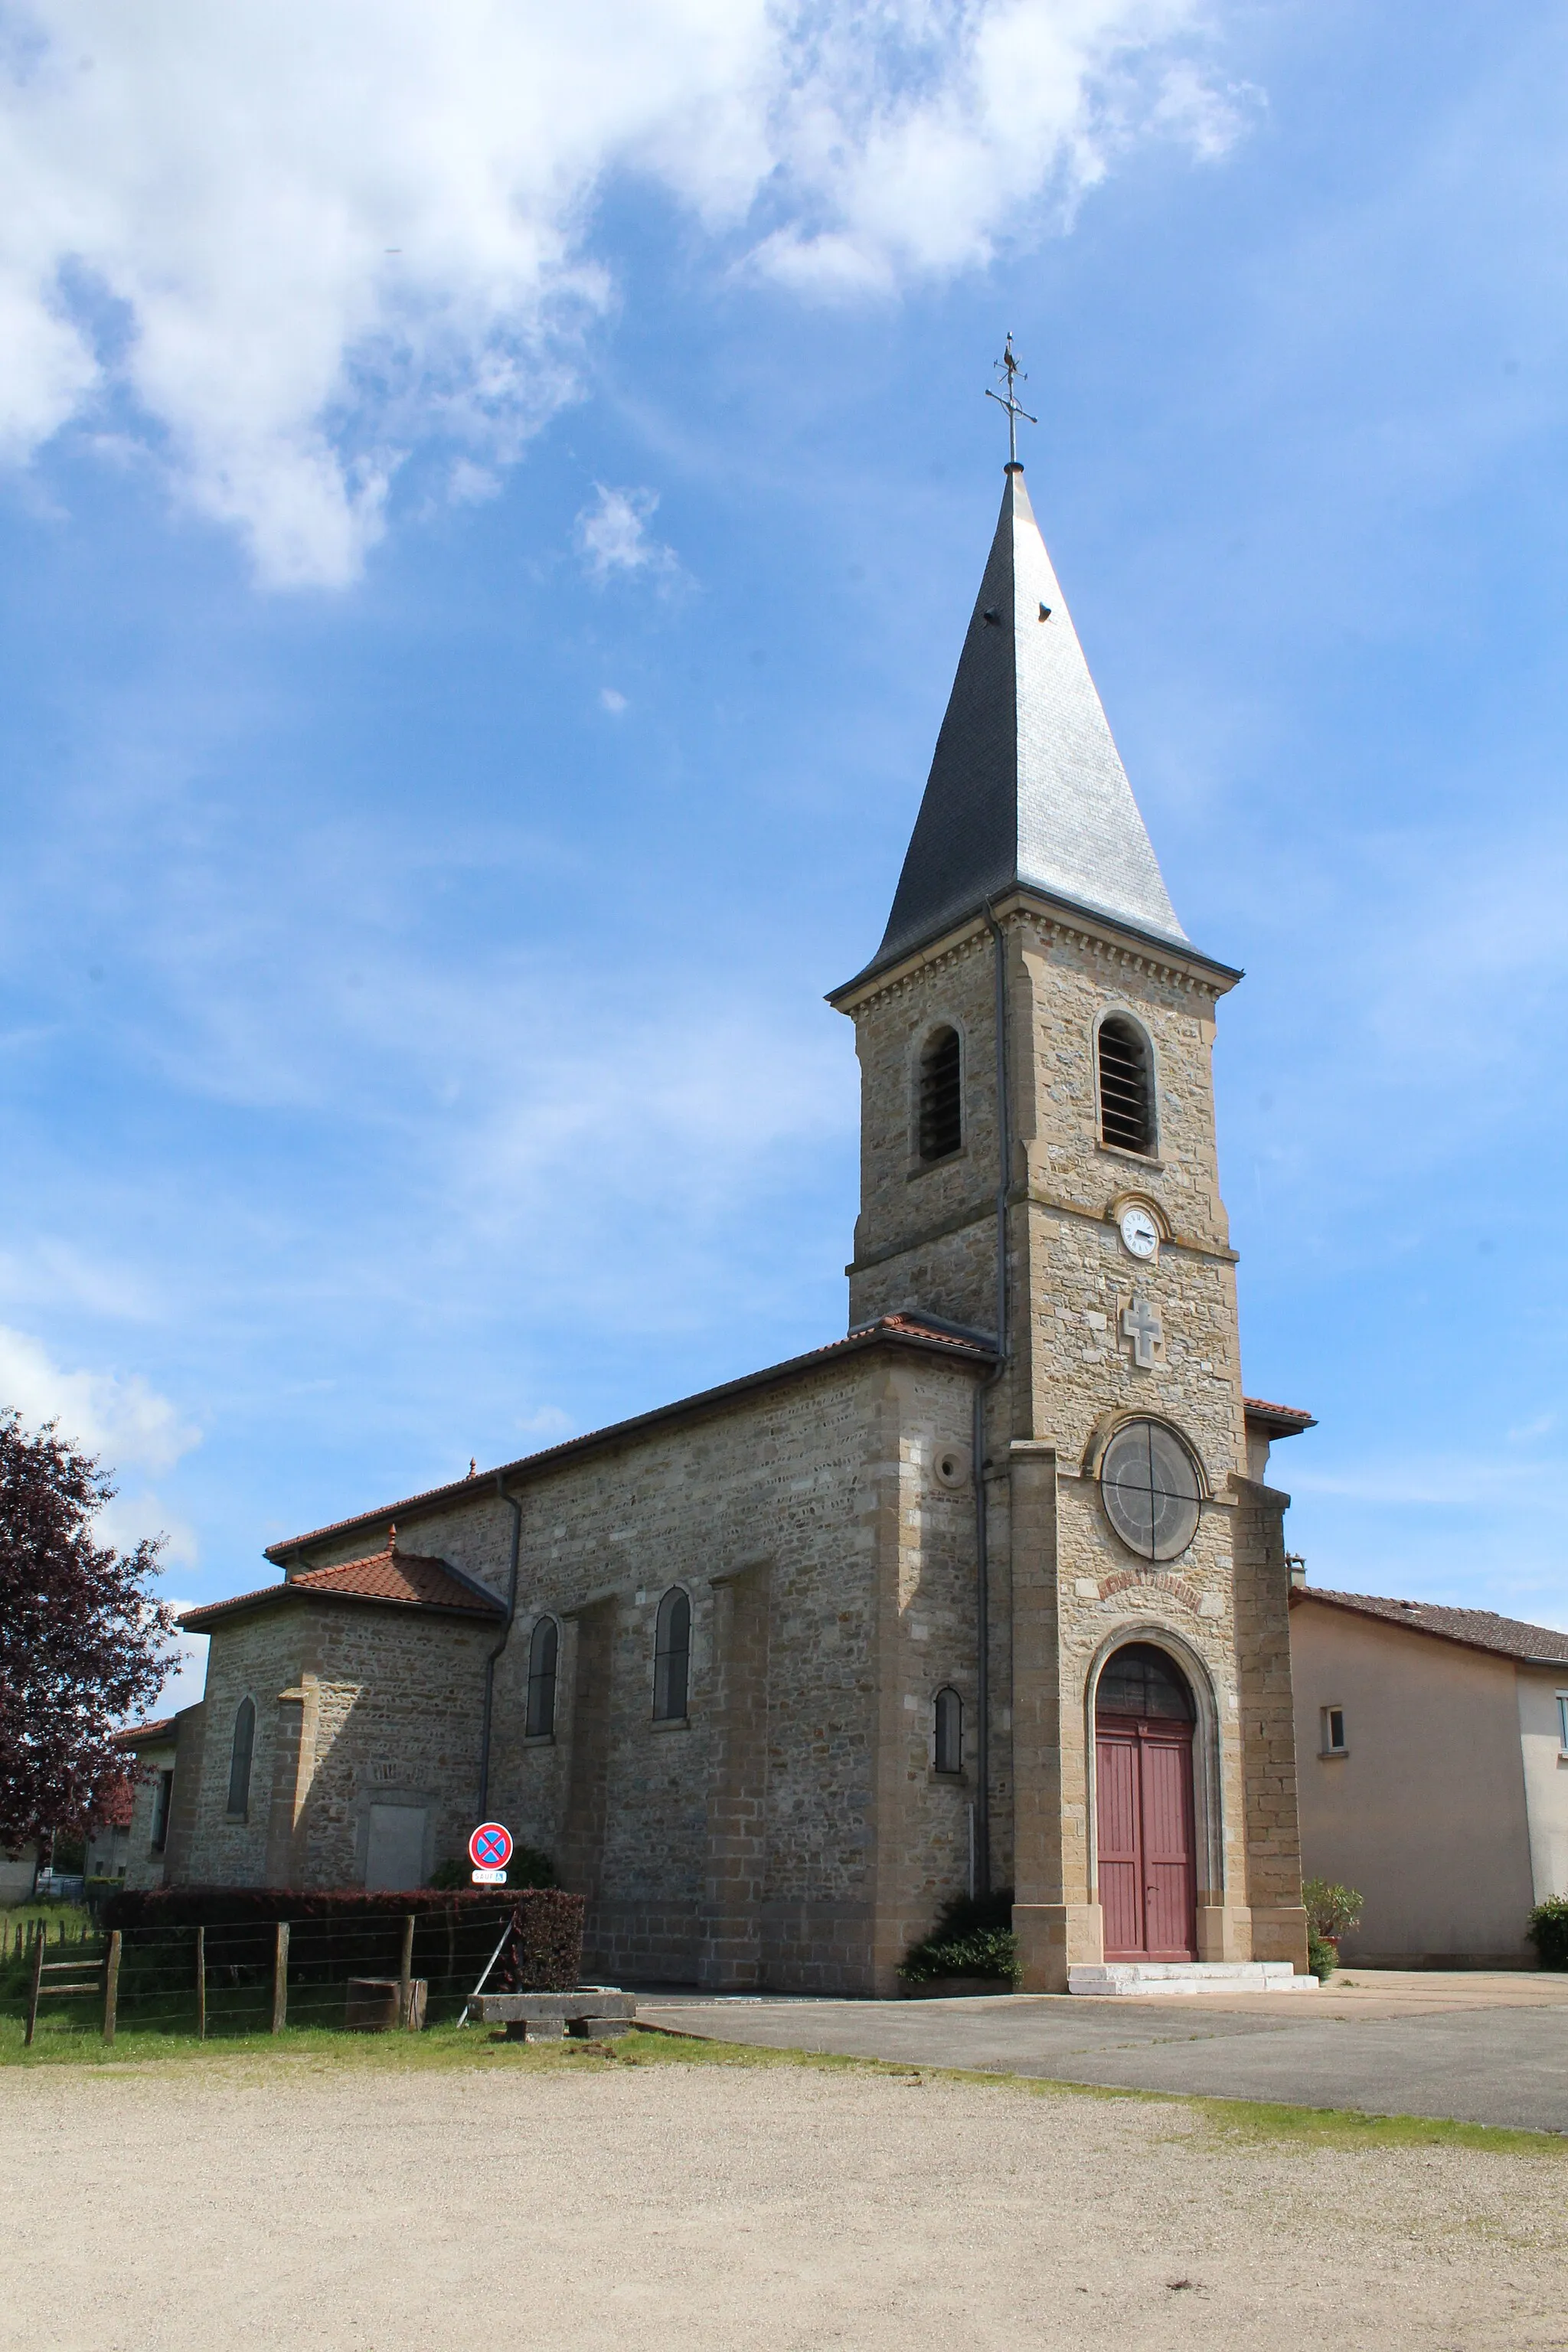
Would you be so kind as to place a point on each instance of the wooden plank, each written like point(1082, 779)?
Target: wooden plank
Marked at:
point(111, 1987)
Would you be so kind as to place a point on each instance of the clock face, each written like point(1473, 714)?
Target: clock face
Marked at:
point(1140, 1234)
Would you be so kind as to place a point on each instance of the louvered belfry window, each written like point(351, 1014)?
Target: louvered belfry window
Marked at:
point(942, 1096)
point(1126, 1093)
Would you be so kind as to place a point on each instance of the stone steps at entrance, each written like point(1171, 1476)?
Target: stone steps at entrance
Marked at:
point(1160, 1980)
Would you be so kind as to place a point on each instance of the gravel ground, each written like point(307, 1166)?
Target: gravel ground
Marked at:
point(227, 2204)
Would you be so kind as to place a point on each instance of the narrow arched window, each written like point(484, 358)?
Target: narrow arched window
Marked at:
point(671, 1656)
point(543, 1650)
point(948, 1731)
point(239, 1760)
point(942, 1096)
point(1126, 1086)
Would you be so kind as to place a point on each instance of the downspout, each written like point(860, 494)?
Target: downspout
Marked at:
point(977, 1443)
point(515, 1508)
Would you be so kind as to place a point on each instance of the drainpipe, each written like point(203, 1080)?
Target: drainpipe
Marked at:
point(977, 1443)
point(515, 1508)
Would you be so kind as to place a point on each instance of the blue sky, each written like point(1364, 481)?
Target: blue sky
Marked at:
point(484, 534)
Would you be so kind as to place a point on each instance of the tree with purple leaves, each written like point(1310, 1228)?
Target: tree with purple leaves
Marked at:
point(82, 1640)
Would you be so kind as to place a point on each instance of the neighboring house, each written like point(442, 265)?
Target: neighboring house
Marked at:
point(109, 1839)
point(18, 1874)
point(155, 1746)
point(989, 1592)
point(1432, 1765)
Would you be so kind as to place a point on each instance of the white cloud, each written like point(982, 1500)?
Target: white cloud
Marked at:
point(613, 536)
point(282, 246)
point(611, 700)
point(116, 1416)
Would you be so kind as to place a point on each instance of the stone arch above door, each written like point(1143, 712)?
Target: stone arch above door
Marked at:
point(1208, 1820)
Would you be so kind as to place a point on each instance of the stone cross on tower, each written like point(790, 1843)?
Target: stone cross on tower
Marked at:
point(1141, 1324)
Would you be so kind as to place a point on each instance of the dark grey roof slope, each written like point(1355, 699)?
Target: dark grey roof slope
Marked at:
point(1026, 784)
point(899, 1331)
point(1479, 1629)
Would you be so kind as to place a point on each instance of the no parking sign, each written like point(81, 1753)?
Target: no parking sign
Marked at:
point(490, 1851)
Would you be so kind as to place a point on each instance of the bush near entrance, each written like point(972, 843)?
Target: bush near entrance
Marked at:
point(973, 1937)
point(1548, 1931)
point(1331, 1912)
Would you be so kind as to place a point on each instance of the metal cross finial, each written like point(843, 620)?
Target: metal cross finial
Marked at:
point(1008, 367)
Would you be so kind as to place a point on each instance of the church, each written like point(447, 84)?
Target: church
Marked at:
point(991, 1592)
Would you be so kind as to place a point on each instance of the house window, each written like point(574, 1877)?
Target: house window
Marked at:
point(942, 1096)
point(239, 1761)
point(1562, 1721)
point(672, 1657)
point(1126, 1091)
point(543, 1650)
point(1333, 1721)
point(163, 1792)
point(948, 1731)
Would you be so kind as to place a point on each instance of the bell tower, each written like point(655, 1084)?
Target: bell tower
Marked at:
point(1039, 1164)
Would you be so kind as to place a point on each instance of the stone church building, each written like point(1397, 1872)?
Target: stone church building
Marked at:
point(990, 1593)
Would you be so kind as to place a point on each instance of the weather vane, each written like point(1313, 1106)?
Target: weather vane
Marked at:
point(1008, 367)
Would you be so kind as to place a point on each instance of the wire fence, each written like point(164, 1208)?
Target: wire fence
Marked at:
point(254, 1976)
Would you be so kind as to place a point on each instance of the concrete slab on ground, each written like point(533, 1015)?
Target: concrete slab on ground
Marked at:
point(1477, 2049)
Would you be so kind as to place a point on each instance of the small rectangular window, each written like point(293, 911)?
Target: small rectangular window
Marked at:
point(1562, 1721)
point(161, 1793)
point(1334, 1731)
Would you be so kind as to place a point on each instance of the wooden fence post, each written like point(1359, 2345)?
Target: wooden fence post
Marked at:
point(405, 1975)
point(33, 2004)
point(201, 1984)
point(280, 1977)
point(112, 1986)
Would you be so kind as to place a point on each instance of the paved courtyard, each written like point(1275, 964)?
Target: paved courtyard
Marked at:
point(1481, 2048)
point(596, 2204)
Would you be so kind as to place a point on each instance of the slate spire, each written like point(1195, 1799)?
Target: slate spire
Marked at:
point(1026, 784)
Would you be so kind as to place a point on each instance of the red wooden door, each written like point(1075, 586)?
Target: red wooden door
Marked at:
point(1143, 1808)
point(1121, 1848)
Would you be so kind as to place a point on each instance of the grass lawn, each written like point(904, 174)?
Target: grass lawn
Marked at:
point(64, 2042)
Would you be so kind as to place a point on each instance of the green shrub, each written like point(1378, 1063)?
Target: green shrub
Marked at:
point(1323, 1957)
point(1332, 1911)
point(1548, 1931)
point(528, 1867)
point(973, 1937)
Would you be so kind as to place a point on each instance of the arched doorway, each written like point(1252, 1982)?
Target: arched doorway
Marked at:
point(1143, 1715)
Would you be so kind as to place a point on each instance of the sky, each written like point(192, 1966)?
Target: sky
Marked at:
point(489, 502)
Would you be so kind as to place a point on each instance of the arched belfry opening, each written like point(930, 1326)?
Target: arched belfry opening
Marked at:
point(941, 1104)
point(1145, 1718)
point(1126, 1086)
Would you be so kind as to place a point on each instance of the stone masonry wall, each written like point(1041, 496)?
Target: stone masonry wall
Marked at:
point(831, 1580)
point(355, 1705)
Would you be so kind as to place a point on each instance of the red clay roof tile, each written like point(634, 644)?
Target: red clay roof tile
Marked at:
point(406, 1579)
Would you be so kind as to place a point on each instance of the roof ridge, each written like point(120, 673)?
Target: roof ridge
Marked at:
point(973, 1349)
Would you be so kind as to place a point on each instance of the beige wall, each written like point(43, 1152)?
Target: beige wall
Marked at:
point(1425, 1814)
point(1545, 1776)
